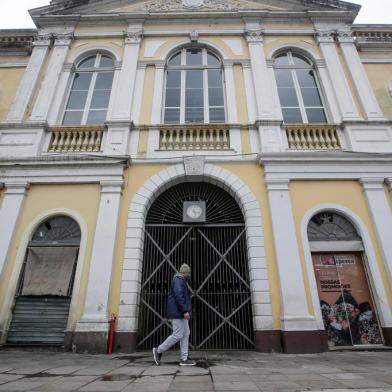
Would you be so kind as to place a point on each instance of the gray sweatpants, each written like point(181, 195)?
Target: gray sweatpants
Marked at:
point(180, 334)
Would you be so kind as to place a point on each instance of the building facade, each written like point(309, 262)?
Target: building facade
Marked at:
point(251, 139)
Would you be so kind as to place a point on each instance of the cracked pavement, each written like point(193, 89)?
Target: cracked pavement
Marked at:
point(215, 371)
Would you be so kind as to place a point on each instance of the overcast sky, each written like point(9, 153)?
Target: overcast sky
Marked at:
point(14, 12)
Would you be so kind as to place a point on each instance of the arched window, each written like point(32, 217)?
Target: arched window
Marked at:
point(194, 88)
point(89, 97)
point(298, 88)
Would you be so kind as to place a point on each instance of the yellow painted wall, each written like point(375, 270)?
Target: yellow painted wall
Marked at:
point(173, 42)
point(135, 176)
point(9, 83)
point(251, 173)
point(351, 83)
point(242, 110)
point(388, 194)
point(85, 28)
point(380, 75)
point(349, 194)
point(84, 199)
point(307, 42)
point(1, 196)
point(80, 45)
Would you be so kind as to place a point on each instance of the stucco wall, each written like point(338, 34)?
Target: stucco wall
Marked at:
point(84, 200)
point(380, 75)
point(9, 82)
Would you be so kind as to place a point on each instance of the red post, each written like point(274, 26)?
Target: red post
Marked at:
point(112, 331)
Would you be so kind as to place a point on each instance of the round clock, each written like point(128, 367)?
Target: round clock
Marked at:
point(194, 211)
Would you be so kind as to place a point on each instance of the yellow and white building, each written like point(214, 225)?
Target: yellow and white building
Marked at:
point(251, 139)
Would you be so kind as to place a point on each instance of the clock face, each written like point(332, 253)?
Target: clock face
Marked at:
point(194, 211)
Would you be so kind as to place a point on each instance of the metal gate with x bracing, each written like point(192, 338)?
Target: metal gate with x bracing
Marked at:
point(216, 252)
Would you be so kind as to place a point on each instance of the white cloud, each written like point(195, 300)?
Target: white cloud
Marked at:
point(14, 12)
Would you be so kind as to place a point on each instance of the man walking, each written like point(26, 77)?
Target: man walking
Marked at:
point(179, 309)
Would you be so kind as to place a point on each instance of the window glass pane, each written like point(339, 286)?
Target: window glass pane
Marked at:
point(214, 78)
point(175, 60)
point(282, 59)
point(284, 78)
point(288, 97)
point(73, 118)
point(100, 99)
point(300, 60)
point(212, 59)
point(173, 79)
point(217, 115)
point(194, 98)
point(104, 80)
point(106, 61)
point(215, 96)
point(194, 57)
point(172, 116)
point(173, 97)
point(316, 116)
point(96, 117)
point(292, 116)
point(194, 115)
point(311, 97)
point(82, 81)
point(77, 100)
point(194, 79)
point(306, 78)
point(88, 63)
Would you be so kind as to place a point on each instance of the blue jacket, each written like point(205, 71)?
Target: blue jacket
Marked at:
point(179, 301)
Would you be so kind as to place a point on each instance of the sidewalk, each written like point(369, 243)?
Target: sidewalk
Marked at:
point(234, 371)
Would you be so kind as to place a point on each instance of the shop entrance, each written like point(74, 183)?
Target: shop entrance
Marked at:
point(346, 301)
point(215, 250)
point(43, 298)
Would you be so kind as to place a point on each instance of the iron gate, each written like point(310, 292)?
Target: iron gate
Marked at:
point(216, 252)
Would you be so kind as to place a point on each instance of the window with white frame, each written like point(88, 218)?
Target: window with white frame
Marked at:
point(88, 99)
point(299, 90)
point(194, 88)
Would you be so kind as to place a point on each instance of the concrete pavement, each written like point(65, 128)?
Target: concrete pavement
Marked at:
point(233, 371)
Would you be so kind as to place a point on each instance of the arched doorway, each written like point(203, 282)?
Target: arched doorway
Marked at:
point(346, 300)
point(201, 224)
point(43, 297)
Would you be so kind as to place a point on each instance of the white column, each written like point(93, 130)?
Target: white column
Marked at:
point(295, 315)
point(380, 211)
point(10, 211)
point(340, 84)
point(326, 83)
point(49, 85)
point(261, 77)
point(156, 115)
point(231, 100)
point(360, 79)
point(29, 80)
point(95, 317)
point(125, 82)
point(56, 109)
point(250, 92)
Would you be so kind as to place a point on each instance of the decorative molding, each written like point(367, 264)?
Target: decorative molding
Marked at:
point(133, 37)
point(43, 40)
point(372, 183)
point(13, 64)
point(63, 39)
point(345, 37)
point(194, 166)
point(191, 5)
point(325, 36)
point(194, 36)
point(254, 36)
